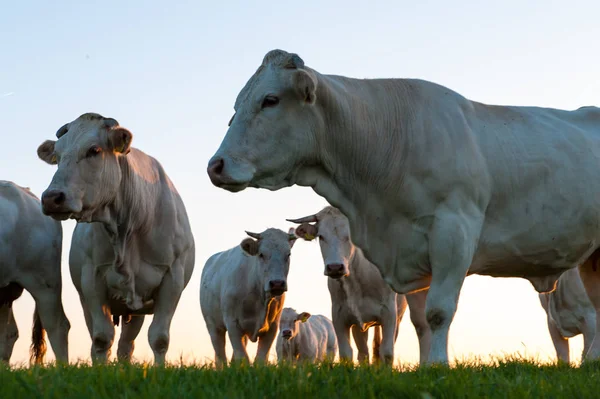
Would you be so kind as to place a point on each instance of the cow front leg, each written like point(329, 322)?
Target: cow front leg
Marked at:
point(166, 302)
point(361, 339)
point(416, 305)
point(451, 247)
point(590, 276)
point(238, 342)
point(97, 315)
point(389, 334)
point(561, 344)
point(342, 333)
point(9, 333)
point(265, 342)
point(129, 333)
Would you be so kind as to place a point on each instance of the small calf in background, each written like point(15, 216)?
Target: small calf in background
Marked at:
point(303, 337)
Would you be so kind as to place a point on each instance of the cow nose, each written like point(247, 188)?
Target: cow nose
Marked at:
point(53, 200)
point(286, 333)
point(277, 287)
point(215, 168)
point(335, 270)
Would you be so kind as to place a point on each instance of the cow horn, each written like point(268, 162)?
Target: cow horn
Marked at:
point(110, 122)
point(305, 219)
point(253, 235)
point(61, 132)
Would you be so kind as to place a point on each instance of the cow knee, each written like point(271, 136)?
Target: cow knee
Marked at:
point(160, 343)
point(125, 351)
point(436, 318)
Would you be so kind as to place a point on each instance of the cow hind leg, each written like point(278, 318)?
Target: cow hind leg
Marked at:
point(129, 333)
point(217, 337)
point(52, 316)
point(361, 340)
point(590, 275)
point(9, 333)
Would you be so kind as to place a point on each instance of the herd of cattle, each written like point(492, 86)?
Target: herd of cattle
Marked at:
point(425, 186)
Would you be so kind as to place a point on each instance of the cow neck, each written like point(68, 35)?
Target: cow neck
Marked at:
point(356, 117)
point(351, 284)
point(257, 284)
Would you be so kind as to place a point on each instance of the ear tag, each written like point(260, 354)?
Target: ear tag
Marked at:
point(309, 237)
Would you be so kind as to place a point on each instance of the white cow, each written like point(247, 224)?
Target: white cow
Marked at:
point(435, 186)
point(242, 292)
point(303, 337)
point(132, 251)
point(570, 313)
point(30, 258)
point(360, 298)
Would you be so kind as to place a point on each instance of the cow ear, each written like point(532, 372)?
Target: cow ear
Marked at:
point(306, 86)
point(120, 139)
point(304, 316)
point(307, 231)
point(250, 246)
point(292, 236)
point(46, 152)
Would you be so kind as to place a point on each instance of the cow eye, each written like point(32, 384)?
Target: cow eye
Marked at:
point(270, 101)
point(260, 255)
point(93, 151)
point(320, 237)
point(231, 120)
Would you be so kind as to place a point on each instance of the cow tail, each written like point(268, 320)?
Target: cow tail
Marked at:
point(37, 351)
point(376, 343)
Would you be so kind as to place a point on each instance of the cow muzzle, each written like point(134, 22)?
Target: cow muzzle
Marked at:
point(286, 334)
point(335, 270)
point(54, 204)
point(224, 174)
point(277, 287)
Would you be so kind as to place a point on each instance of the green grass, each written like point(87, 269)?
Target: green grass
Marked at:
point(507, 378)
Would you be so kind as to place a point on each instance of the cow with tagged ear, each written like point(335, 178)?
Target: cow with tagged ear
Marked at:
point(305, 337)
point(358, 291)
point(132, 251)
point(242, 292)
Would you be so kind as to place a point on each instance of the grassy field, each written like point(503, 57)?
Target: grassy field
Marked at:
point(505, 379)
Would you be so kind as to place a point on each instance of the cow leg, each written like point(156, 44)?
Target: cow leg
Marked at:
point(54, 320)
point(166, 302)
point(588, 331)
point(9, 333)
point(265, 342)
point(238, 342)
point(97, 315)
point(561, 344)
point(361, 340)
point(451, 247)
point(129, 333)
point(389, 334)
point(343, 336)
point(416, 305)
point(217, 337)
point(590, 275)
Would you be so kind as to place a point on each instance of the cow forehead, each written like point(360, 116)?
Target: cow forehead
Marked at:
point(288, 314)
point(81, 132)
point(274, 239)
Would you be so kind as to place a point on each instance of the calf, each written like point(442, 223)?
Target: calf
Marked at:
point(132, 251)
point(242, 291)
point(570, 313)
point(30, 258)
point(360, 298)
point(303, 337)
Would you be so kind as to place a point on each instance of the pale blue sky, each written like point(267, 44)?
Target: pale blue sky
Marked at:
point(170, 72)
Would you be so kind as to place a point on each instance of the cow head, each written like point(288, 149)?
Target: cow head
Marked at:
point(273, 129)
point(272, 250)
point(289, 322)
point(87, 154)
point(331, 227)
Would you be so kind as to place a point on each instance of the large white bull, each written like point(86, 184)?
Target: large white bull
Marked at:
point(435, 186)
point(360, 298)
point(569, 313)
point(132, 251)
point(242, 292)
point(30, 258)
